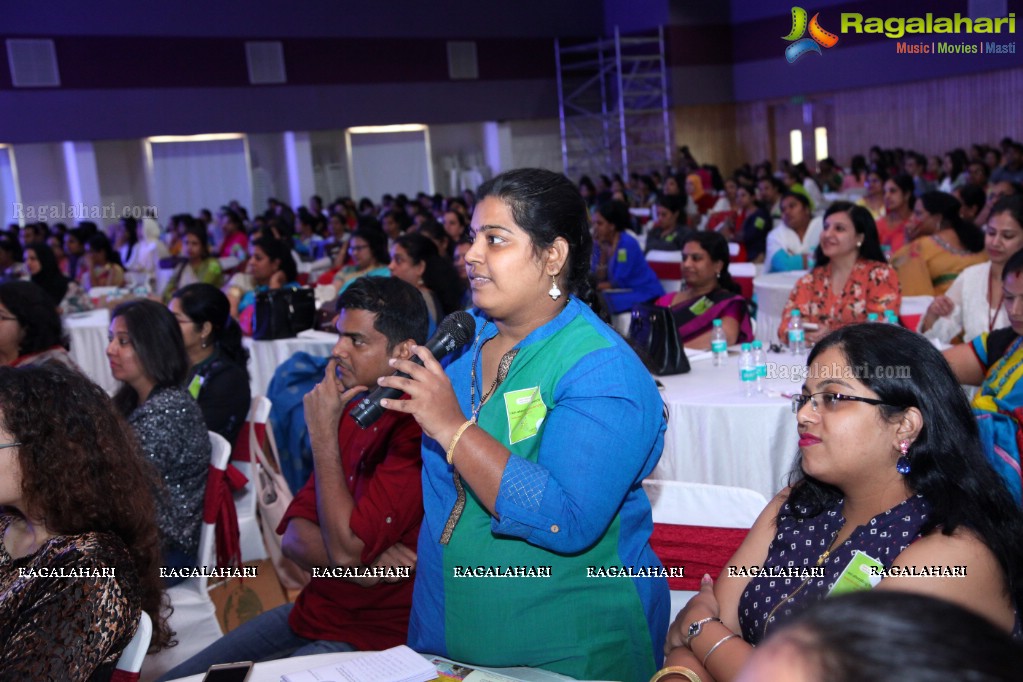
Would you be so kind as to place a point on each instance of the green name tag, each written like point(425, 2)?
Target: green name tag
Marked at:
point(857, 575)
point(701, 306)
point(622, 255)
point(194, 386)
point(526, 411)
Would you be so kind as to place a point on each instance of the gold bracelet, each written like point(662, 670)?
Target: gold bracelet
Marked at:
point(719, 643)
point(676, 670)
point(454, 441)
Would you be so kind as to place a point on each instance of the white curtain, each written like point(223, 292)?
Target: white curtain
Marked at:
point(188, 176)
point(385, 163)
point(8, 192)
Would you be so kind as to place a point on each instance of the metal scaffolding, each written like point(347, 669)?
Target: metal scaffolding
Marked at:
point(613, 105)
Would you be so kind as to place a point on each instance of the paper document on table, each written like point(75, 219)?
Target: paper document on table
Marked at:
point(398, 664)
point(451, 671)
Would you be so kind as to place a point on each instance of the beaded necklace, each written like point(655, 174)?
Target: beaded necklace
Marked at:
point(502, 372)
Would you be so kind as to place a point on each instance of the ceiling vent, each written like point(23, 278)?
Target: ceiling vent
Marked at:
point(33, 63)
point(266, 62)
point(462, 60)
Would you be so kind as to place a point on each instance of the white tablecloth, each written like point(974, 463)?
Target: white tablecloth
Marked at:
point(718, 435)
point(265, 356)
point(88, 332)
point(772, 293)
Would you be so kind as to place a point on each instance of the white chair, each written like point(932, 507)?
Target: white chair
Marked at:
point(701, 504)
point(130, 663)
point(249, 531)
point(194, 618)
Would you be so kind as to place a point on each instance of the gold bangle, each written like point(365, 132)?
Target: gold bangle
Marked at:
point(719, 643)
point(454, 441)
point(676, 670)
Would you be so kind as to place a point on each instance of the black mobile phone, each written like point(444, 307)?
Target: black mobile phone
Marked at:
point(229, 672)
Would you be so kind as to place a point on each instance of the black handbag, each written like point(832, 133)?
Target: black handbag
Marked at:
point(283, 313)
point(653, 336)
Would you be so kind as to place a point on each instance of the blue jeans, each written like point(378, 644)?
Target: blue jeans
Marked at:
point(265, 638)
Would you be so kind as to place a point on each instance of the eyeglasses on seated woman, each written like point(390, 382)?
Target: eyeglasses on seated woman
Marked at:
point(890, 477)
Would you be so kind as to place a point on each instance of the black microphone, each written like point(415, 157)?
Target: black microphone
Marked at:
point(454, 331)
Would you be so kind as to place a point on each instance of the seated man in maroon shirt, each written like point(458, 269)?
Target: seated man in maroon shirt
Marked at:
point(355, 523)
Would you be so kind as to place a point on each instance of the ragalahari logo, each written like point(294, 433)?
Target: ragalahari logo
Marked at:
point(818, 36)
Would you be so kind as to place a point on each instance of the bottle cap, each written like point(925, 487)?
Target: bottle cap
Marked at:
point(872, 317)
point(717, 323)
point(758, 344)
point(795, 313)
point(745, 348)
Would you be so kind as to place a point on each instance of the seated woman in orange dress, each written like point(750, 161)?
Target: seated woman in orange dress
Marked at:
point(851, 279)
point(947, 245)
point(708, 293)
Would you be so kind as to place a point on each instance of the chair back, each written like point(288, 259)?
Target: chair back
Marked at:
point(130, 663)
point(698, 526)
point(702, 504)
point(221, 455)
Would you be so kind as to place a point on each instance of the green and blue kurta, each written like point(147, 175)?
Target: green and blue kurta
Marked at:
point(541, 585)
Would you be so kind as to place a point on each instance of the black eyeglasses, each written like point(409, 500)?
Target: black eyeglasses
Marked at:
point(829, 400)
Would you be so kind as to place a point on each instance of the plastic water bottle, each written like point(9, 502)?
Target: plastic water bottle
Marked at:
point(797, 337)
point(760, 362)
point(747, 370)
point(718, 344)
point(872, 317)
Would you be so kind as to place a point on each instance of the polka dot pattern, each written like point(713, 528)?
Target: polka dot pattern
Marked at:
point(801, 541)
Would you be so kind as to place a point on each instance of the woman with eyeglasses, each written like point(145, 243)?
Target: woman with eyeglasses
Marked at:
point(367, 250)
point(891, 491)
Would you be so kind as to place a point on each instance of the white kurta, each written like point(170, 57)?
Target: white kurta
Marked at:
point(975, 318)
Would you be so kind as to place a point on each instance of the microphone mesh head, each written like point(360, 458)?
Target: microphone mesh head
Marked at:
point(459, 325)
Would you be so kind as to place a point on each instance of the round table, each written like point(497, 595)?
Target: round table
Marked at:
point(718, 435)
point(88, 335)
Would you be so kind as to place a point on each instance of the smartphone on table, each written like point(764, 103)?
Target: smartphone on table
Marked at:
point(229, 672)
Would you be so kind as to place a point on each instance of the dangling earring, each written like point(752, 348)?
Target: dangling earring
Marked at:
point(902, 466)
point(718, 274)
point(554, 292)
point(204, 342)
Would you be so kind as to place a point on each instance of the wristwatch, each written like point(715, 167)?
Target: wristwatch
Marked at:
point(696, 627)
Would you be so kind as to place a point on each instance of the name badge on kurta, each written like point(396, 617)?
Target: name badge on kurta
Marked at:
point(623, 255)
point(701, 306)
point(526, 411)
point(857, 575)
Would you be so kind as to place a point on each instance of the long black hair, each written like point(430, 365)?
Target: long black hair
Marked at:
point(899, 637)
point(376, 240)
point(203, 303)
point(716, 247)
point(156, 337)
point(439, 275)
point(864, 224)
point(36, 314)
point(49, 277)
point(948, 465)
point(277, 250)
point(947, 206)
point(547, 205)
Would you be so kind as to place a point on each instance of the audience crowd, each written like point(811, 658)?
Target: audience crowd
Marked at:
point(891, 226)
